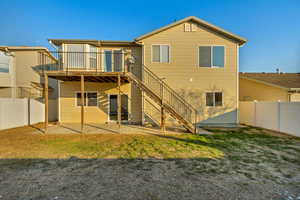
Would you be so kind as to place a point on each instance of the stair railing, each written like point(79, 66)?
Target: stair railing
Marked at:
point(169, 96)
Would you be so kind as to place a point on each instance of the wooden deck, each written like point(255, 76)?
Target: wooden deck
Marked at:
point(90, 76)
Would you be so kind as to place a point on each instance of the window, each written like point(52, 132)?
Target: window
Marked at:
point(90, 99)
point(107, 60)
point(118, 60)
point(211, 56)
point(214, 99)
point(75, 59)
point(160, 53)
point(93, 57)
point(4, 67)
point(4, 63)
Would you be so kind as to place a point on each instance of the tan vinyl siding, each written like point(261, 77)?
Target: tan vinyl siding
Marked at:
point(251, 90)
point(184, 75)
point(69, 112)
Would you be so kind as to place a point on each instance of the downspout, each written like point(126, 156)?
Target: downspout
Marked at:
point(237, 85)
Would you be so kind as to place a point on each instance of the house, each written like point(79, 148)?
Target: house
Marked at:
point(185, 72)
point(269, 86)
point(19, 79)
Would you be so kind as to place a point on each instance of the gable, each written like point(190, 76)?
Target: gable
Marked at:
point(196, 22)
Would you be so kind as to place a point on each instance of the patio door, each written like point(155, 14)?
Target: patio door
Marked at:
point(113, 60)
point(113, 107)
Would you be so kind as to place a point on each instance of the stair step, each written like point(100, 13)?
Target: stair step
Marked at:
point(188, 125)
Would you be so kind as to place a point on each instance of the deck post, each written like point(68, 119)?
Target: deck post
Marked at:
point(119, 101)
point(46, 101)
point(82, 102)
point(163, 119)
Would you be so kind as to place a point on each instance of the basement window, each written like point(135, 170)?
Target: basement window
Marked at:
point(214, 99)
point(90, 99)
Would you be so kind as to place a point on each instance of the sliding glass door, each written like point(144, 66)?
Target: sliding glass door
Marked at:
point(113, 60)
point(113, 107)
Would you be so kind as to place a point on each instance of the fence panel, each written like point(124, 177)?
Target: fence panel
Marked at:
point(278, 116)
point(267, 115)
point(290, 117)
point(20, 112)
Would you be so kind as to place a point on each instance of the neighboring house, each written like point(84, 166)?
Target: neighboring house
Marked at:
point(188, 69)
point(269, 86)
point(19, 78)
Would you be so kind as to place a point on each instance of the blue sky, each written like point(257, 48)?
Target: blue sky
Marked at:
point(271, 26)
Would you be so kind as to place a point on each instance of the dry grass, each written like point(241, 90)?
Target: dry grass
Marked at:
point(241, 163)
point(22, 143)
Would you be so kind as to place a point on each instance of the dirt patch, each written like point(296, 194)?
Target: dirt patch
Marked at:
point(243, 163)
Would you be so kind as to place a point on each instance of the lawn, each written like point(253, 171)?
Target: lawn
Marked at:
point(230, 164)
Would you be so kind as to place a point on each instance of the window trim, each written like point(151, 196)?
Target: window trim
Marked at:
point(161, 53)
point(211, 51)
point(86, 103)
point(214, 99)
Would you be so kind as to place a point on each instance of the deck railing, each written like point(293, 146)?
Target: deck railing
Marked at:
point(106, 61)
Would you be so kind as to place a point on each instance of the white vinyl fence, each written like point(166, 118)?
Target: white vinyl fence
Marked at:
point(278, 116)
point(20, 112)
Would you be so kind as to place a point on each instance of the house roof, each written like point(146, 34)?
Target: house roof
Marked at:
point(27, 48)
point(201, 22)
point(58, 42)
point(290, 81)
point(30, 48)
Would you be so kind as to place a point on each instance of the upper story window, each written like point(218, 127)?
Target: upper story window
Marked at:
point(161, 53)
point(93, 57)
point(211, 56)
point(75, 60)
point(214, 99)
point(4, 63)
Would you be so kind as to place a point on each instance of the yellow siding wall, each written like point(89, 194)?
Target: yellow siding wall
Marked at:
point(70, 112)
point(191, 81)
point(251, 90)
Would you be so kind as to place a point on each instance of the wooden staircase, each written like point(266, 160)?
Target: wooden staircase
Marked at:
point(166, 98)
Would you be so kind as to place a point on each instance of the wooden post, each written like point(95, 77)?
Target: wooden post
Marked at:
point(46, 101)
point(163, 119)
point(82, 102)
point(119, 101)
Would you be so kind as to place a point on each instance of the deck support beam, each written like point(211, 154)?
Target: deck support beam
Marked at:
point(46, 101)
point(119, 101)
point(163, 119)
point(82, 102)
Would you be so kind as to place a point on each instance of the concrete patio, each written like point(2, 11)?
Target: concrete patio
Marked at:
point(92, 128)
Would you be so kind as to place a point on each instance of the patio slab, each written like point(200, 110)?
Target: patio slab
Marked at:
point(91, 128)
